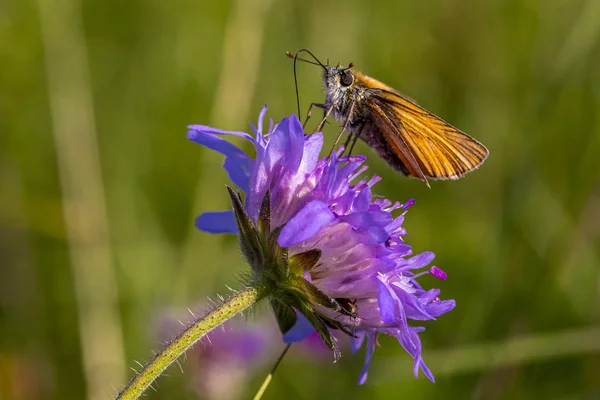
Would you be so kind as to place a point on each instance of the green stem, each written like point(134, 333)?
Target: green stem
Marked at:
point(234, 305)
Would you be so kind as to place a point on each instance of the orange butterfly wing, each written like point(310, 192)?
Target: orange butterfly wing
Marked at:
point(440, 150)
point(389, 129)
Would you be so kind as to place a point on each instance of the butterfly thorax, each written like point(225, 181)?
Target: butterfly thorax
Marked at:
point(341, 96)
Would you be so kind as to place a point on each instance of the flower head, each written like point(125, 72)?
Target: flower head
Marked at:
point(332, 249)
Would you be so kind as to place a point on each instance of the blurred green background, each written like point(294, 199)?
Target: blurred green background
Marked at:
point(99, 186)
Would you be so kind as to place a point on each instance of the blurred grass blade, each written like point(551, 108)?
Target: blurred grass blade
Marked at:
point(514, 352)
point(84, 206)
point(269, 378)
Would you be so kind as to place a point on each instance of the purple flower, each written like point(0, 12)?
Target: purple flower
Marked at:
point(223, 363)
point(225, 360)
point(339, 257)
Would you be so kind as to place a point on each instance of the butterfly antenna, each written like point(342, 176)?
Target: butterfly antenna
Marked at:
point(269, 377)
point(296, 85)
point(296, 58)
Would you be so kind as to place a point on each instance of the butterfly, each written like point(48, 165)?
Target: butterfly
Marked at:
point(409, 138)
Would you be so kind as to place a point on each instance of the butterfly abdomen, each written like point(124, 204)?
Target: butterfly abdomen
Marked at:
point(372, 137)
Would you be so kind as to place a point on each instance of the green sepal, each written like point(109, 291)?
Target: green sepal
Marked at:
point(249, 241)
point(299, 263)
point(284, 314)
point(319, 324)
point(313, 294)
point(333, 324)
point(278, 257)
point(264, 216)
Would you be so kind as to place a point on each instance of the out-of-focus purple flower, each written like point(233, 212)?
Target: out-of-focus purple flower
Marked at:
point(341, 241)
point(225, 360)
point(222, 363)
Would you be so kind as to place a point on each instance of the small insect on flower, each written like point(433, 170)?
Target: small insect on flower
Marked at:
point(409, 138)
point(320, 243)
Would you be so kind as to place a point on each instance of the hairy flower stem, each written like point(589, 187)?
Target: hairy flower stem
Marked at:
point(200, 327)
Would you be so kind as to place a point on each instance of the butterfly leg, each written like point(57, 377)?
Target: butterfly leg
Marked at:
point(346, 124)
point(309, 112)
point(354, 139)
point(320, 126)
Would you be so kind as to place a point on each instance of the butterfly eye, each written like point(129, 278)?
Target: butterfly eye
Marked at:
point(346, 78)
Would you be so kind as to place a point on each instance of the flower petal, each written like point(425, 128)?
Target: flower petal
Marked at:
point(237, 173)
point(357, 341)
point(278, 163)
point(261, 117)
point(217, 222)
point(310, 158)
point(387, 305)
point(300, 331)
point(207, 139)
point(286, 146)
point(416, 262)
point(214, 131)
point(368, 219)
point(440, 307)
point(370, 350)
point(305, 224)
point(429, 296)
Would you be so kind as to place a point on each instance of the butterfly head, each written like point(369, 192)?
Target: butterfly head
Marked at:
point(339, 82)
point(342, 85)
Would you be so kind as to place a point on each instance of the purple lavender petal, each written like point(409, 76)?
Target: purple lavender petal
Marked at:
point(441, 307)
point(368, 219)
point(357, 341)
point(419, 261)
point(377, 235)
point(305, 224)
point(312, 148)
point(363, 201)
point(301, 330)
point(237, 174)
point(261, 117)
point(368, 356)
point(286, 146)
point(395, 225)
point(217, 222)
point(399, 310)
point(281, 157)
point(214, 131)
point(207, 139)
point(260, 180)
point(387, 305)
point(428, 296)
point(414, 308)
